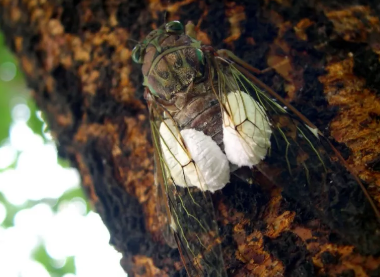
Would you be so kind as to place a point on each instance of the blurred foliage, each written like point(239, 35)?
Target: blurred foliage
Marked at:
point(13, 92)
point(5, 93)
point(35, 123)
point(43, 257)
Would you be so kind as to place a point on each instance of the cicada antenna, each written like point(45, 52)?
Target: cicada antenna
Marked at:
point(135, 42)
point(166, 16)
point(166, 13)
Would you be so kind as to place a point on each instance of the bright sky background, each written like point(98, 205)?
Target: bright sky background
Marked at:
point(37, 176)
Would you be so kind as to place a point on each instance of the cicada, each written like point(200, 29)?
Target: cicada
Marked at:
point(210, 116)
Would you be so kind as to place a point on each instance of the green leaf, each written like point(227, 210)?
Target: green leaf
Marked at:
point(64, 162)
point(7, 56)
point(34, 122)
point(40, 255)
point(70, 195)
point(11, 212)
point(5, 111)
point(70, 265)
point(8, 90)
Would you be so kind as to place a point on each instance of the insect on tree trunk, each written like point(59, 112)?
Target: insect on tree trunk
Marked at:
point(76, 56)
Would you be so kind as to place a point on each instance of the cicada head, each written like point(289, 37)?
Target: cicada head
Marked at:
point(171, 60)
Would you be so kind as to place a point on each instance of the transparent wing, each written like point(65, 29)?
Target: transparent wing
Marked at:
point(190, 211)
point(163, 210)
point(296, 157)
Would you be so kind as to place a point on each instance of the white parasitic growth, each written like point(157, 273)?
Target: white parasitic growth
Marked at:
point(193, 159)
point(246, 130)
point(196, 161)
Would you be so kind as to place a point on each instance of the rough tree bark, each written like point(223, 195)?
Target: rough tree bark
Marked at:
point(76, 57)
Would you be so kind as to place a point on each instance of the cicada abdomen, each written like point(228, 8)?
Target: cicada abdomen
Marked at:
point(209, 118)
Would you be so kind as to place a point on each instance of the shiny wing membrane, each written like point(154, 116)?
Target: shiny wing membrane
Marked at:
point(190, 211)
point(304, 163)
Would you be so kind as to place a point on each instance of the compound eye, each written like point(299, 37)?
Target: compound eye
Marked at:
point(174, 27)
point(136, 54)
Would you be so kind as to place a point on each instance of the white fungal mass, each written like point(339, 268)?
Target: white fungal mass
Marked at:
point(197, 161)
point(246, 130)
point(194, 159)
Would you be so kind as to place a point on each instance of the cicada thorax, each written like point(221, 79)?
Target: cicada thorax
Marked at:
point(171, 64)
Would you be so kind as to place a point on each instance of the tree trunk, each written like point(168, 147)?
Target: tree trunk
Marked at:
point(77, 59)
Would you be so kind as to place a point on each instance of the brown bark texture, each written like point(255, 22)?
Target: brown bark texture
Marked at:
point(76, 57)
